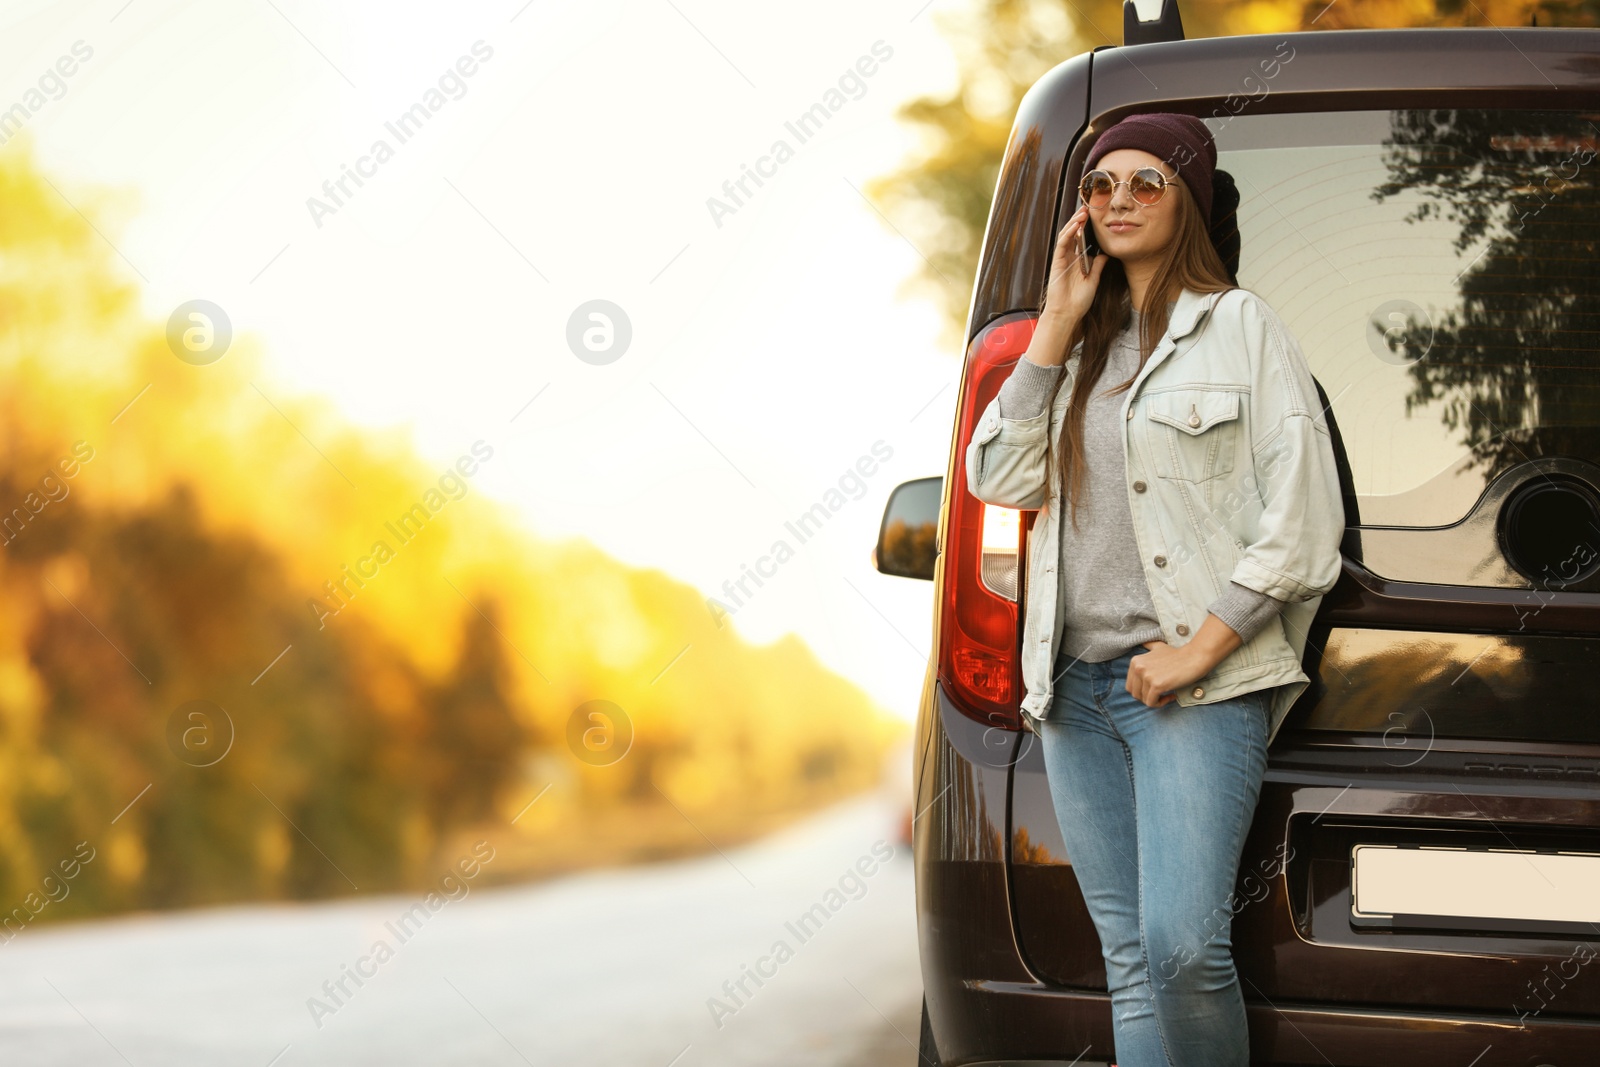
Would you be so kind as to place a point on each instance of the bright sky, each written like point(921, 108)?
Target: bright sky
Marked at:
point(768, 354)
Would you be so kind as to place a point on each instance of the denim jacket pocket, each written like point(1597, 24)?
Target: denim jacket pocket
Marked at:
point(1194, 433)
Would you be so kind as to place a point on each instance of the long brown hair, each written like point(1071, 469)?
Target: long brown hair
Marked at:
point(1190, 262)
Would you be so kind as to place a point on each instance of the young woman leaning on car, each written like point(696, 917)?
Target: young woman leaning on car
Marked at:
point(1152, 388)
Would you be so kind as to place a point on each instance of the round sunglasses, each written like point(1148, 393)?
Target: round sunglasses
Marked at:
point(1147, 186)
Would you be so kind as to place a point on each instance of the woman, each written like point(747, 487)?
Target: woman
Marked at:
point(1185, 438)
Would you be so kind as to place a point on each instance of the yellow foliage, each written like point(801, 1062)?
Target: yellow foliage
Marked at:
point(213, 520)
point(125, 855)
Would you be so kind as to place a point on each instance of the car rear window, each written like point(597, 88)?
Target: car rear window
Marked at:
point(1437, 267)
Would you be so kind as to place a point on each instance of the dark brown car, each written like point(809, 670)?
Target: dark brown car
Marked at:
point(1421, 884)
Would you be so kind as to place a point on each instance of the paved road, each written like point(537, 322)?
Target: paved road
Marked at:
point(610, 967)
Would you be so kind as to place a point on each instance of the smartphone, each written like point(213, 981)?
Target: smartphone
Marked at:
point(1083, 242)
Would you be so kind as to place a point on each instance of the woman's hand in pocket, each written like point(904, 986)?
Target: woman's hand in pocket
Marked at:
point(1154, 675)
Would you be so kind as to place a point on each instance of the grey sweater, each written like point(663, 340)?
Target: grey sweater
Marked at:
point(1108, 605)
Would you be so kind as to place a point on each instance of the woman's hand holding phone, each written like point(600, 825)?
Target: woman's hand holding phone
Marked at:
point(1074, 276)
point(1073, 283)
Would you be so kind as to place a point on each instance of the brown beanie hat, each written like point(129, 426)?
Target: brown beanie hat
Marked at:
point(1183, 141)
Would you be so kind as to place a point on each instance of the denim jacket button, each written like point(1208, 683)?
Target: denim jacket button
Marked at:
point(1161, 561)
point(1130, 413)
point(1183, 629)
point(1138, 487)
point(1197, 692)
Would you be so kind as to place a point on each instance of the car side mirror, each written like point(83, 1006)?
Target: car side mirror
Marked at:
point(908, 536)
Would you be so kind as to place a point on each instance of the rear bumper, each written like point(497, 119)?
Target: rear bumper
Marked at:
point(1281, 1034)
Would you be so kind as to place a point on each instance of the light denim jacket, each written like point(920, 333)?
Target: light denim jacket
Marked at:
point(1231, 477)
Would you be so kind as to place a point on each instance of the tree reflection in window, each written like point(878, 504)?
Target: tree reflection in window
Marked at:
point(1515, 367)
point(908, 548)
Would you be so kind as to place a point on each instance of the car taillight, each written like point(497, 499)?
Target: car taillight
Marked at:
point(999, 567)
point(980, 662)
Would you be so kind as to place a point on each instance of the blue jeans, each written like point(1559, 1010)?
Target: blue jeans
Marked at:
point(1154, 805)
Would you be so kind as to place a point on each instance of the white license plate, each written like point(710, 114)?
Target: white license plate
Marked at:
point(1475, 883)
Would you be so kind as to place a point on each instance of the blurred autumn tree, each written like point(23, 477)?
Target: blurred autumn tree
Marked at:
point(940, 200)
point(173, 560)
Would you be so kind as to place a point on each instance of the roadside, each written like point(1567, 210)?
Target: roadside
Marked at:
point(894, 1043)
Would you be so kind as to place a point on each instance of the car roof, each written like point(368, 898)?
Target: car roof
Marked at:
point(1478, 66)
